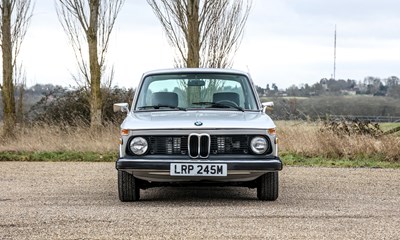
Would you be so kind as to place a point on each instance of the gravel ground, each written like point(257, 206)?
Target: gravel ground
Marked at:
point(79, 201)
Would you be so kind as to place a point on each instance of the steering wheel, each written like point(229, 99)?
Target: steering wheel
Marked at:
point(228, 103)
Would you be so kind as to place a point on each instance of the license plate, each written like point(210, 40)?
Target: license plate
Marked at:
point(198, 169)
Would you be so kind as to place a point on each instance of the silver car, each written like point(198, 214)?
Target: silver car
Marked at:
point(197, 127)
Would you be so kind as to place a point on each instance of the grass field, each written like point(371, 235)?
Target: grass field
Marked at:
point(303, 143)
point(300, 143)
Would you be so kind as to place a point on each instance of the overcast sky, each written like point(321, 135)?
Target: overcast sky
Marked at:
point(285, 42)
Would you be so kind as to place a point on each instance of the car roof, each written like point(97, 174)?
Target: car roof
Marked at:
point(195, 70)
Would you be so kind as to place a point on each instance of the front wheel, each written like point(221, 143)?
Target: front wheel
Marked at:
point(268, 186)
point(128, 187)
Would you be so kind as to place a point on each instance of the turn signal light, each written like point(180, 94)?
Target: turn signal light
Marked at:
point(124, 132)
point(271, 131)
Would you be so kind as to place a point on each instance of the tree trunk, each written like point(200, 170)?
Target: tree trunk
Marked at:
point(20, 104)
point(95, 71)
point(193, 45)
point(8, 85)
point(193, 35)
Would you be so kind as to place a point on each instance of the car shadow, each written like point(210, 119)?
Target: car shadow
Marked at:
point(198, 196)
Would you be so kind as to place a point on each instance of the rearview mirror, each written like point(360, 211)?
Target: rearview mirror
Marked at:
point(196, 83)
point(121, 107)
point(268, 106)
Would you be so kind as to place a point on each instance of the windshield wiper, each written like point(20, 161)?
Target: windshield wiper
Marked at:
point(161, 106)
point(221, 104)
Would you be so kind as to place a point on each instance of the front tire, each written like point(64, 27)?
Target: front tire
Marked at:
point(128, 187)
point(268, 186)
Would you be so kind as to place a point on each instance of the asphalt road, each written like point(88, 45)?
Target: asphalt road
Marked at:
point(79, 201)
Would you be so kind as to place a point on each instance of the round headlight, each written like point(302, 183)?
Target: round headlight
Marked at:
point(259, 145)
point(139, 146)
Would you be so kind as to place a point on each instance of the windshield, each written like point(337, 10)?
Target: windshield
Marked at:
point(196, 91)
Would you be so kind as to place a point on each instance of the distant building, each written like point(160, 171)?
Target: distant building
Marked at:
point(348, 92)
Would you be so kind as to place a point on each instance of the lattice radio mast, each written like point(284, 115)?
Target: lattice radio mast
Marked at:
point(334, 56)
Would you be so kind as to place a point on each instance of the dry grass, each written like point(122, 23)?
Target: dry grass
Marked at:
point(299, 138)
point(56, 138)
point(308, 140)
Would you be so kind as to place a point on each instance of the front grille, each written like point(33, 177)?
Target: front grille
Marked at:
point(239, 144)
point(170, 145)
point(200, 145)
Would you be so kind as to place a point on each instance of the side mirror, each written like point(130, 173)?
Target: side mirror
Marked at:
point(121, 107)
point(268, 106)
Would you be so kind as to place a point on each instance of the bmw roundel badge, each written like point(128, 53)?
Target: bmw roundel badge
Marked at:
point(198, 123)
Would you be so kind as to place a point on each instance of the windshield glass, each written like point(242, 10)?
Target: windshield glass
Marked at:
point(196, 91)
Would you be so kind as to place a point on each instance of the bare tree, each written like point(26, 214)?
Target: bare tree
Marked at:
point(204, 33)
point(15, 19)
point(88, 24)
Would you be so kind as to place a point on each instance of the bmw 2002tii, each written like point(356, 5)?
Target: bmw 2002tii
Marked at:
point(197, 126)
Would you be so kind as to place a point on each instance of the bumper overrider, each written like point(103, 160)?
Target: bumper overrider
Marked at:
point(159, 169)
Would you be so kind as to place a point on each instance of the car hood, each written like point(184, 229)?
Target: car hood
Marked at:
point(197, 119)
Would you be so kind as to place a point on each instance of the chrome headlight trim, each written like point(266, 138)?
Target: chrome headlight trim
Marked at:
point(259, 145)
point(138, 146)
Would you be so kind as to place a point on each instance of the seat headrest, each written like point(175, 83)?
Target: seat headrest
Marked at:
point(165, 98)
point(231, 96)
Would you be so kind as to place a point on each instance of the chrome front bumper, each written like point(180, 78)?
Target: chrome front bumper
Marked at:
point(158, 170)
